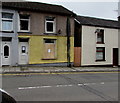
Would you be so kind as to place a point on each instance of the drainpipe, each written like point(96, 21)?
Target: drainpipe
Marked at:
point(68, 32)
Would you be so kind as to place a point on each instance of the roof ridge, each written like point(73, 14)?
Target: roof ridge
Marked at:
point(42, 3)
point(92, 21)
point(39, 6)
point(97, 18)
point(35, 2)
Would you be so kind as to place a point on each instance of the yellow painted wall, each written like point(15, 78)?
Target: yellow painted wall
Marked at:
point(36, 49)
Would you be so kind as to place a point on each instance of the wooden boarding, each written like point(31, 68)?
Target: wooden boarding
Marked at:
point(77, 56)
point(49, 51)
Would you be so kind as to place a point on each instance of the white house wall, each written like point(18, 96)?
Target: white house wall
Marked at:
point(0, 38)
point(119, 30)
point(89, 45)
point(0, 51)
point(119, 44)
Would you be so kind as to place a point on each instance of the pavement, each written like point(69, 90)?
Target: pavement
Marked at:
point(38, 69)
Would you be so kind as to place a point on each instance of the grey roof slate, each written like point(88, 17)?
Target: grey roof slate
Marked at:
point(39, 7)
point(91, 21)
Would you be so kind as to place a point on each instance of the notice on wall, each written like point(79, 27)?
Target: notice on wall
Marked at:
point(49, 50)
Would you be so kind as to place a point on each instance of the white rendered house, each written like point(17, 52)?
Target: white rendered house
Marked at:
point(97, 40)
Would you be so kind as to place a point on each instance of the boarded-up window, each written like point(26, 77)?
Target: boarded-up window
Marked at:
point(49, 49)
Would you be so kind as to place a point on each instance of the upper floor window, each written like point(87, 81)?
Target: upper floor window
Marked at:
point(50, 25)
point(24, 23)
point(100, 36)
point(7, 22)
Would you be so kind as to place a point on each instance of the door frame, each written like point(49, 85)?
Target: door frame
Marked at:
point(6, 43)
point(19, 53)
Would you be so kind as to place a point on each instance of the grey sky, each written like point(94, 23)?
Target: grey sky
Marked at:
point(98, 8)
point(106, 10)
point(119, 8)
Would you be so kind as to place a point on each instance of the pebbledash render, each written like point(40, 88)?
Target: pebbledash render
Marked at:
point(98, 44)
point(35, 33)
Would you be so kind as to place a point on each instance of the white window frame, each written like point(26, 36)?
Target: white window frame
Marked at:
point(24, 20)
point(103, 54)
point(103, 39)
point(7, 19)
point(54, 25)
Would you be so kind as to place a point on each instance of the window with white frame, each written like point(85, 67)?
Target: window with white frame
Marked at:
point(50, 25)
point(100, 53)
point(7, 21)
point(24, 23)
point(100, 36)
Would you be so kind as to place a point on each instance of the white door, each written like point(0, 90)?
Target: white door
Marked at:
point(23, 53)
point(6, 60)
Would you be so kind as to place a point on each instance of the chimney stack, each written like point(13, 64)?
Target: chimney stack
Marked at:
point(119, 11)
point(119, 18)
point(119, 23)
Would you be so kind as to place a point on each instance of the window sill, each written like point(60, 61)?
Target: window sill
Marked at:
point(100, 43)
point(25, 32)
point(7, 31)
point(49, 59)
point(50, 33)
point(100, 60)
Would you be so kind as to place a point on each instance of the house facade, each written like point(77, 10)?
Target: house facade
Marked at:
point(96, 42)
point(35, 33)
point(119, 38)
point(8, 38)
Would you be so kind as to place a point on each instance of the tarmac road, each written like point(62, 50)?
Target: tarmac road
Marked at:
point(63, 87)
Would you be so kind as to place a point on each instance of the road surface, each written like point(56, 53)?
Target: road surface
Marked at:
point(63, 87)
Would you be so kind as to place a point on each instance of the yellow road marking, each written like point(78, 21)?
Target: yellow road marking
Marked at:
point(59, 73)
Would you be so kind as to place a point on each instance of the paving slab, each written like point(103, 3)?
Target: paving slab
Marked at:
point(55, 69)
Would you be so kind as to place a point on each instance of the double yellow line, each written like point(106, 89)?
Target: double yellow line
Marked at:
point(15, 74)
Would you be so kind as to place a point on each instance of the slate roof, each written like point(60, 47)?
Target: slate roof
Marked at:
point(39, 7)
point(91, 21)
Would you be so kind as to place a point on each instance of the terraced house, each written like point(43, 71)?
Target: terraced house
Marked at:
point(96, 42)
point(35, 33)
point(119, 38)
